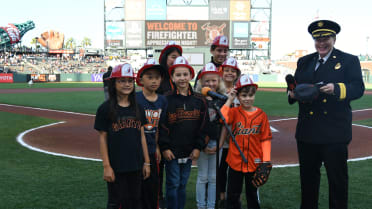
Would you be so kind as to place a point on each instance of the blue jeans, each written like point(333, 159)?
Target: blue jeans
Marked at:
point(206, 175)
point(176, 180)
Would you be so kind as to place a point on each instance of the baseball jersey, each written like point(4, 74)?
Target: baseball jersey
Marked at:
point(123, 137)
point(250, 130)
point(154, 112)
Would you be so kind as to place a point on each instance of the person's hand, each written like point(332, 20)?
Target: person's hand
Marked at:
point(158, 154)
point(168, 155)
point(108, 174)
point(210, 150)
point(195, 154)
point(52, 39)
point(232, 95)
point(328, 89)
point(146, 170)
point(291, 94)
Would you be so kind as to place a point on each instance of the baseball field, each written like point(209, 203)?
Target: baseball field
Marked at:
point(49, 156)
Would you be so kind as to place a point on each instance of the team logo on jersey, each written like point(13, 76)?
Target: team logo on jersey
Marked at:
point(152, 118)
point(123, 123)
point(240, 130)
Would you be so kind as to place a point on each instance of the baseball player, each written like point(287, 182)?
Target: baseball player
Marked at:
point(251, 129)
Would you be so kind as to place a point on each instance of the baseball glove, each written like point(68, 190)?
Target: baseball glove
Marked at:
point(306, 92)
point(261, 175)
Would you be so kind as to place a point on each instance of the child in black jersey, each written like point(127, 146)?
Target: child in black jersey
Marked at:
point(123, 147)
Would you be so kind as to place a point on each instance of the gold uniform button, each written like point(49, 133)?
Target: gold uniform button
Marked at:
point(325, 112)
point(311, 113)
point(324, 100)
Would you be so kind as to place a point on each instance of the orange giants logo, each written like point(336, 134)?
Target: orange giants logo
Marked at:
point(212, 31)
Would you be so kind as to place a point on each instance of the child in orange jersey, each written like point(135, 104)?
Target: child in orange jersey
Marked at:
point(251, 129)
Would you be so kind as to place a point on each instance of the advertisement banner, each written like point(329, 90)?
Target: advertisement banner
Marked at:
point(38, 78)
point(13, 33)
point(187, 13)
point(240, 35)
point(240, 10)
point(260, 42)
point(184, 33)
point(115, 34)
point(96, 77)
point(135, 9)
point(114, 43)
point(156, 9)
point(219, 10)
point(114, 10)
point(134, 34)
point(54, 78)
point(6, 78)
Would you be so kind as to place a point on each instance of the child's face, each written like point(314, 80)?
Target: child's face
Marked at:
point(181, 77)
point(124, 86)
point(171, 57)
point(229, 74)
point(219, 54)
point(246, 99)
point(151, 79)
point(211, 80)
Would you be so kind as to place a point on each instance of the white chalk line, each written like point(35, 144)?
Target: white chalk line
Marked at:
point(49, 110)
point(20, 137)
point(23, 143)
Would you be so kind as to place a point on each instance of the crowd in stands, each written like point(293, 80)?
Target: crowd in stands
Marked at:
point(43, 64)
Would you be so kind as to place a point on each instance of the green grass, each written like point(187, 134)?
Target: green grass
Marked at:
point(31, 179)
point(78, 101)
point(51, 85)
point(364, 122)
point(273, 103)
point(35, 180)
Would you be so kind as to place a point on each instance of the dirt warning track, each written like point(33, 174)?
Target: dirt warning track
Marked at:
point(76, 136)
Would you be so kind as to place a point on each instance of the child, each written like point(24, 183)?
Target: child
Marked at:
point(219, 50)
point(230, 74)
point(182, 135)
point(149, 76)
point(167, 56)
point(209, 77)
point(251, 129)
point(125, 158)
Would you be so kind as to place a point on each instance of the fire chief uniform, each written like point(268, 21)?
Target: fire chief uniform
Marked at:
point(324, 125)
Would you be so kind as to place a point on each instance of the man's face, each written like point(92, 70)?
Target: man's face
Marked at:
point(324, 45)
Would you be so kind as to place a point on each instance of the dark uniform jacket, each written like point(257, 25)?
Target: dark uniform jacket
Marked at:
point(184, 127)
point(327, 120)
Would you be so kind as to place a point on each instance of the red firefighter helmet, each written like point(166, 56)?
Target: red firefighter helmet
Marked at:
point(221, 41)
point(231, 62)
point(243, 81)
point(209, 68)
point(181, 62)
point(149, 64)
point(122, 71)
